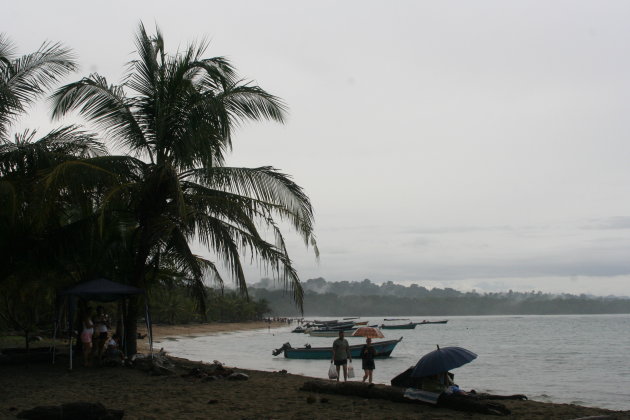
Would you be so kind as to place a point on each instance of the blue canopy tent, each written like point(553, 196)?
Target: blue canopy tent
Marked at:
point(101, 290)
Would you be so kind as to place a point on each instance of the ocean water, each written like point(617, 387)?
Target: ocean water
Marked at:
point(576, 359)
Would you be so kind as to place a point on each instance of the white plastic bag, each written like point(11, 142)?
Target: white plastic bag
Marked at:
point(332, 372)
point(350, 371)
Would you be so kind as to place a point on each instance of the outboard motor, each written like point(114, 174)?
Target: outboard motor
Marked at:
point(281, 349)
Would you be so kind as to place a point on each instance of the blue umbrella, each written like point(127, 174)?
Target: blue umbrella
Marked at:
point(442, 360)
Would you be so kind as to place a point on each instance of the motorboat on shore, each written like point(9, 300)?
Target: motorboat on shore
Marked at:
point(382, 349)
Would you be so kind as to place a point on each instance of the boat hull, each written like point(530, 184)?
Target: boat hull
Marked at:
point(329, 333)
point(382, 350)
point(409, 326)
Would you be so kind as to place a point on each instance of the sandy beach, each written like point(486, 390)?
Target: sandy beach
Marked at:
point(265, 395)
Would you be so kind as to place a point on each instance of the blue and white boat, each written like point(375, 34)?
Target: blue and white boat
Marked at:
point(383, 349)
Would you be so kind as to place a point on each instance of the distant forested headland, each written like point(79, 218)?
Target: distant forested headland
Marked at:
point(365, 298)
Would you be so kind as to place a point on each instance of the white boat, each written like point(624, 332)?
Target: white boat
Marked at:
point(328, 332)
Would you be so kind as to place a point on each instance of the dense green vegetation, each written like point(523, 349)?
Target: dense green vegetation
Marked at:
point(368, 299)
point(175, 305)
point(70, 211)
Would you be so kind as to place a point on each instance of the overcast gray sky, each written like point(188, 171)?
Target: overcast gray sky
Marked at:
point(475, 145)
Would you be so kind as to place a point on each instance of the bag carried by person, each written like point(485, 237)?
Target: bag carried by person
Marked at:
point(350, 370)
point(332, 372)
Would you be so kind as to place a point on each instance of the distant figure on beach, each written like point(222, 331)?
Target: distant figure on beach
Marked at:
point(86, 337)
point(102, 325)
point(341, 355)
point(367, 360)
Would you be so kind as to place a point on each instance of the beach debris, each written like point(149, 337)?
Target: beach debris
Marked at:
point(213, 401)
point(324, 400)
point(158, 365)
point(238, 376)
point(72, 411)
point(212, 372)
point(310, 399)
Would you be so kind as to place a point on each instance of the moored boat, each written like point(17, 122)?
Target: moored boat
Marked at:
point(383, 349)
point(432, 322)
point(329, 332)
point(409, 326)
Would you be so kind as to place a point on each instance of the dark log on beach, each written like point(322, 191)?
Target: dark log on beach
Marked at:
point(357, 389)
point(72, 411)
point(470, 404)
point(500, 397)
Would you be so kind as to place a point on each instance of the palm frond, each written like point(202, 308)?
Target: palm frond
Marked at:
point(267, 185)
point(104, 105)
point(244, 102)
point(24, 79)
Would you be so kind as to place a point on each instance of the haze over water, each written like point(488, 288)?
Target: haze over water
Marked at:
point(577, 359)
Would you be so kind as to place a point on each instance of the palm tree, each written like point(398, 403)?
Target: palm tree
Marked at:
point(31, 219)
point(176, 125)
point(23, 223)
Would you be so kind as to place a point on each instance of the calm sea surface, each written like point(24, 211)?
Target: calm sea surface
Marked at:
point(577, 359)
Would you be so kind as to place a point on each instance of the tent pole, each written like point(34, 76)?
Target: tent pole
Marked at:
point(71, 304)
point(56, 326)
point(123, 335)
point(147, 317)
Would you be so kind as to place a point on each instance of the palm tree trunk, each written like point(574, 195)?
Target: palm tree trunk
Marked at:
point(131, 325)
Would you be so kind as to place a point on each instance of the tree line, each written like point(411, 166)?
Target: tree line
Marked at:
point(71, 210)
point(389, 299)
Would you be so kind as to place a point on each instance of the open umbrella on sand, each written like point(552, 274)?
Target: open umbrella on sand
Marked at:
point(442, 360)
point(370, 332)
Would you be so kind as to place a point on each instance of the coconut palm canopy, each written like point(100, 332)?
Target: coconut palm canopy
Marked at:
point(174, 116)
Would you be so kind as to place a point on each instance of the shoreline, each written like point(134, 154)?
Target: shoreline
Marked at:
point(164, 331)
point(264, 395)
point(267, 395)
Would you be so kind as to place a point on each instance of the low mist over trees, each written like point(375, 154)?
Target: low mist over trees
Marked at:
point(368, 299)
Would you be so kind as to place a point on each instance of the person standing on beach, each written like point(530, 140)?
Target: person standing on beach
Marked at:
point(87, 334)
point(341, 355)
point(367, 362)
point(102, 325)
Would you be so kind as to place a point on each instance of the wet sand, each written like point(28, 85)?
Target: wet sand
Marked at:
point(162, 332)
point(265, 395)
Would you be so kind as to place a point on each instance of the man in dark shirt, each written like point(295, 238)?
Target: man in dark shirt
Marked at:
point(341, 355)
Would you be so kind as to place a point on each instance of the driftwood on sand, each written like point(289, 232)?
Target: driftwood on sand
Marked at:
point(474, 403)
point(72, 411)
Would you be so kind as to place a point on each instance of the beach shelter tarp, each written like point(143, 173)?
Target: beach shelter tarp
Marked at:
point(103, 290)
